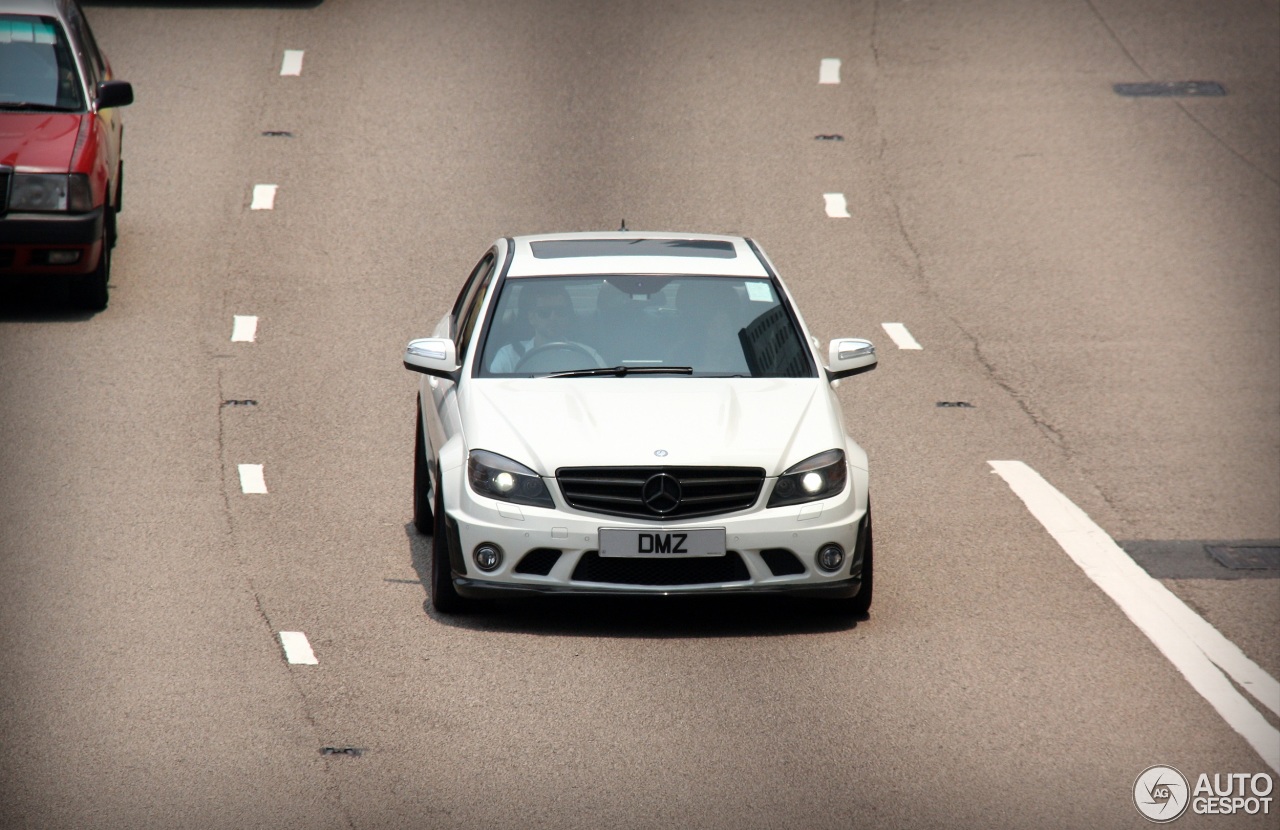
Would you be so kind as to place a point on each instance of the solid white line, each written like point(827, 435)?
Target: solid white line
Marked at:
point(251, 479)
point(829, 71)
point(292, 63)
point(901, 336)
point(244, 328)
point(837, 207)
point(264, 197)
point(296, 648)
point(1194, 647)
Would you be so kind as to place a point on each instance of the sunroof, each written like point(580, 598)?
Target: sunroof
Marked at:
point(563, 248)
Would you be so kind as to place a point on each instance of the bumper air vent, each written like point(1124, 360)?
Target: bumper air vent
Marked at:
point(538, 561)
point(782, 562)
point(694, 570)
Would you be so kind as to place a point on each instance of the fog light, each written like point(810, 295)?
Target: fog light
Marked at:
point(830, 558)
point(487, 556)
point(62, 257)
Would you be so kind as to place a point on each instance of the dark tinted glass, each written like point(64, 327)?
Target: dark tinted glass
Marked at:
point(718, 326)
point(553, 249)
point(37, 69)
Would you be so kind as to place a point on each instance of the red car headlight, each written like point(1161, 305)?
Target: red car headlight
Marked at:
point(50, 192)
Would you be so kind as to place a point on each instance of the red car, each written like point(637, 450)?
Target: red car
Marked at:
point(60, 168)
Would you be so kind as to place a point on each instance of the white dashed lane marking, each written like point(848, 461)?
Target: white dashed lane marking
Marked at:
point(1195, 647)
point(829, 71)
point(264, 197)
point(292, 63)
point(251, 479)
point(901, 336)
point(244, 328)
point(837, 207)
point(296, 648)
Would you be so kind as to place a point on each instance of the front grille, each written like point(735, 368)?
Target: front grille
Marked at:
point(684, 570)
point(698, 491)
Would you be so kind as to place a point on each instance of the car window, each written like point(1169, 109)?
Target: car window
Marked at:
point(468, 288)
point(37, 69)
point(480, 285)
point(717, 326)
point(93, 61)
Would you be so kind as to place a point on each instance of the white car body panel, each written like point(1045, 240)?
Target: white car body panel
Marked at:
point(569, 422)
point(548, 423)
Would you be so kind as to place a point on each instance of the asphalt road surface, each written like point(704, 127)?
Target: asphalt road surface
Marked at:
point(1096, 275)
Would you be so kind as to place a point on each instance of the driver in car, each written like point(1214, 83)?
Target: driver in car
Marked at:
point(549, 312)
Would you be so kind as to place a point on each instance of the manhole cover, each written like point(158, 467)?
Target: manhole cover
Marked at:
point(1246, 557)
point(1207, 558)
point(1170, 89)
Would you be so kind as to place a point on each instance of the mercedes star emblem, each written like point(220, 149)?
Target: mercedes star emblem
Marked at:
point(661, 493)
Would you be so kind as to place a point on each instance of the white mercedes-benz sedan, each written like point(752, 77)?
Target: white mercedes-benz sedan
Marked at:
point(636, 413)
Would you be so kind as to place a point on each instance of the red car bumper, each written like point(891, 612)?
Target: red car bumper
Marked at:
point(44, 243)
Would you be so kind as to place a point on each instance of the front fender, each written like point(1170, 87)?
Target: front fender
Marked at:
point(453, 458)
point(858, 475)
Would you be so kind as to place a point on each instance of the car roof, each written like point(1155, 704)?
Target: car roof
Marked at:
point(45, 8)
point(634, 252)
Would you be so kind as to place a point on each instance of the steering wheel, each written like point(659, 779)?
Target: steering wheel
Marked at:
point(561, 345)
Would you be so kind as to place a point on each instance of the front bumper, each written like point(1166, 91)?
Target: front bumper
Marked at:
point(27, 238)
point(556, 551)
point(481, 589)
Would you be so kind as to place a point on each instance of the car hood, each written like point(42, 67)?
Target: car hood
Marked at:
point(548, 423)
point(38, 141)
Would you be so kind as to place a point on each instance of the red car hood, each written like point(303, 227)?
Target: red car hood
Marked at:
point(38, 141)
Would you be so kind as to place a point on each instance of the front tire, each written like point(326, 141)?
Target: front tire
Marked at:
point(859, 606)
point(444, 596)
point(423, 517)
point(90, 290)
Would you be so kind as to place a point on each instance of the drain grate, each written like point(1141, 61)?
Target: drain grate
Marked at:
point(829, 137)
point(1246, 557)
point(349, 751)
point(955, 405)
point(1170, 89)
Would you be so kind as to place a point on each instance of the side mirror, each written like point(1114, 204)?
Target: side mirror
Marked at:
point(848, 356)
point(114, 94)
point(432, 356)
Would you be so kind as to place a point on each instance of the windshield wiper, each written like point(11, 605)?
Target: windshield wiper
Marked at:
point(623, 371)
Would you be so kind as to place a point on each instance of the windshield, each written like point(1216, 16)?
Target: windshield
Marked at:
point(37, 70)
point(695, 325)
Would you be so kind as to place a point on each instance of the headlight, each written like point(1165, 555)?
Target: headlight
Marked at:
point(50, 192)
point(817, 477)
point(499, 477)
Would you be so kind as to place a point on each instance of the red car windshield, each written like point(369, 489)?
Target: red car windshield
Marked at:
point(37, 70)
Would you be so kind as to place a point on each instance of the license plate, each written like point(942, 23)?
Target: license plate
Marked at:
point(704, 541)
